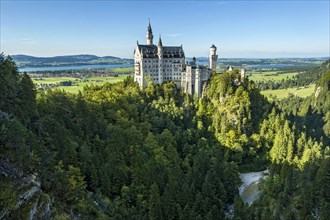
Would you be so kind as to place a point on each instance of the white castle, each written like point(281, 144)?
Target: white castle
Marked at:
point(167, 63)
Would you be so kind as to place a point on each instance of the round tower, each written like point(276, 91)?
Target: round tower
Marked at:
point(243, 74)
point(149, 36)
point(213, 58)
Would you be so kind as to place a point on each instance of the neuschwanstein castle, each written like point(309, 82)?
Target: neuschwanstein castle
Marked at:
point(167, 63)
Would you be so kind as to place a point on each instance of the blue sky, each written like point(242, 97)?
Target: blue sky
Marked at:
point(245, 29)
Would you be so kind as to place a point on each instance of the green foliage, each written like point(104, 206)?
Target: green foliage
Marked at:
point(140, 153)
point(297, 187)
point(17, 95)
point(8, 195)
point(116, 151)
point(236, 110)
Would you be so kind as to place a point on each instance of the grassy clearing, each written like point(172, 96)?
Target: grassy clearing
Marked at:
point(123, 69)
point(271, 75)
point(53, 80)
point(78, 84)
point(283, 93)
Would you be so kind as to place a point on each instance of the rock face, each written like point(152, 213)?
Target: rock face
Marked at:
point(9, 171)
point(27, 195)
point(32, 202)
point(317, 93)
point(33, 210)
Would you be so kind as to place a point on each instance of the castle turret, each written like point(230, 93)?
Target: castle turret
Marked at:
point(213, 58)
point(160, 60)
point(160, 43)
point(243, 74)
point(194, 61)
point(150, 36)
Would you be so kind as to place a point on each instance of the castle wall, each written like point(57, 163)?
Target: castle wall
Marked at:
point(138, 70)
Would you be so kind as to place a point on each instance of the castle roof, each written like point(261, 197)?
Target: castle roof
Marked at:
point(213, 46)
point(160, 44)
point(148, 51)
point(149, 28)
point(151, 51)
point(195, 66)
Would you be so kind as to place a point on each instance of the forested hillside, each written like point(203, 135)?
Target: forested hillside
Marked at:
point(302, 79)
point(298, 139)
point(118, 152)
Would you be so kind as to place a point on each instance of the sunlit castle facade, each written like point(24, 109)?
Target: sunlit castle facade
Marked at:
point(167, 63)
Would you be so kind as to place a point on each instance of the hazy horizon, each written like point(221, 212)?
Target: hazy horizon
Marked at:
point(240, 29)
point(317, 57)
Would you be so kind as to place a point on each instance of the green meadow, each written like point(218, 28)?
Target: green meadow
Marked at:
point(78, 84)
point(271, 75)
point(283, 93)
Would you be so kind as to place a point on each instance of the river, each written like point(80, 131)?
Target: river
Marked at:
point(78, 67)
point(249, 191)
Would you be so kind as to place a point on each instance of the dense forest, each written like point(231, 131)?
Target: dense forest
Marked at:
point(118, 152)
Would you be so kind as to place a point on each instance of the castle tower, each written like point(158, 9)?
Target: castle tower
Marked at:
point(213, 57)
point(149, 36)
point(160, 60)
point(243, 74)
point(194, 60)
point(197, 81)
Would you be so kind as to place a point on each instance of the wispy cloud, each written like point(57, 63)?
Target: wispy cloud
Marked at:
point(27, 41)
point(221, 2)
point(174, 35)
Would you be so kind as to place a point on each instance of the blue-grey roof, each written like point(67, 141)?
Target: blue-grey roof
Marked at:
point(151, 51)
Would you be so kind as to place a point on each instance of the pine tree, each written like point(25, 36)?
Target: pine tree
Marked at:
point(154, 204)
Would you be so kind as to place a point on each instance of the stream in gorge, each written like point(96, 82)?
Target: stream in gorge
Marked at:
point(249, 190)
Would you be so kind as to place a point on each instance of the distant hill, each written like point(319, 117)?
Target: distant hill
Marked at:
point(240, 62)
point(83, 59)
point(302, 62)
point(24, 61)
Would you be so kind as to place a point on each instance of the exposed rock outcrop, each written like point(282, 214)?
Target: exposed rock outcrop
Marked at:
point(32, 202)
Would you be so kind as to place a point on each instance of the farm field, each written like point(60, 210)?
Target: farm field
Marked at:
point(77, 83)
point(271, 75)
point(283, 93)
point(123, 69)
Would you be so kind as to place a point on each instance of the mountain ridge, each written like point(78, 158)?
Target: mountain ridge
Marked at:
point(23, 60)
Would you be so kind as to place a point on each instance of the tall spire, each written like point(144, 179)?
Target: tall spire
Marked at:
point(150, 36)
point(149, 26)
point(160, 44)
